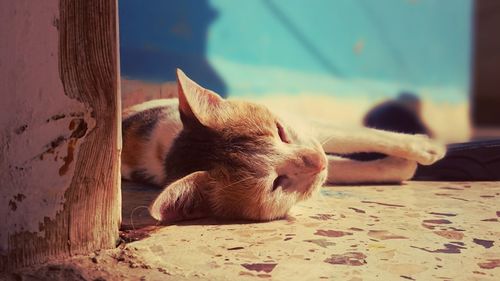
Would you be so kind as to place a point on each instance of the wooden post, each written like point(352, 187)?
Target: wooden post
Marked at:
point(60, 130)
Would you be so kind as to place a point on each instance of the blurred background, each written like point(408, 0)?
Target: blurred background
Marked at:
point(347, 61)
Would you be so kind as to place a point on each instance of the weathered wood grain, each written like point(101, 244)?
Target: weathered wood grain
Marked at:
point(88, 69)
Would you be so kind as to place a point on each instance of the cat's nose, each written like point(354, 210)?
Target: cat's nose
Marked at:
point(315, 162)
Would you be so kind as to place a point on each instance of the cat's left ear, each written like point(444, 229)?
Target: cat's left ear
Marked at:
point(183, 199)
point(197, 104)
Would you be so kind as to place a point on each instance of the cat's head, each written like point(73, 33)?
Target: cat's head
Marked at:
point(235, 159)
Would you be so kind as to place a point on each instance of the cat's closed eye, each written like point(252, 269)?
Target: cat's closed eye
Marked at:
point(282, 133)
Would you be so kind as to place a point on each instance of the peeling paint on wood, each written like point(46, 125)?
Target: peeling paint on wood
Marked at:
point(36, 94)
point(59, 110)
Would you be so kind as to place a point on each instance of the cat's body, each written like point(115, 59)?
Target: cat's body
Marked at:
point(235, 159)
point(149, 130)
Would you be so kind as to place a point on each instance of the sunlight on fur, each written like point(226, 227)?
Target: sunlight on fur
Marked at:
point(239, 159)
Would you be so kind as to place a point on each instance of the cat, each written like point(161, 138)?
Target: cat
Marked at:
point(237, 159)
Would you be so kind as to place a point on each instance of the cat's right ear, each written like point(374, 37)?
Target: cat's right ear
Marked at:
point(196, 104)
point(183, 199)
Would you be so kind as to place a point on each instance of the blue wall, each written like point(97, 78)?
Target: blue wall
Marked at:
point(342, 47)
point(157, 36)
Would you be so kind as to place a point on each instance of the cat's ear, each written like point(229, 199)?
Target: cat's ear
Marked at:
point(183, 199)
point(196, 104)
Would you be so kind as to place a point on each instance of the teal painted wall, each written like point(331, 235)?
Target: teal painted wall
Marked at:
point(372, 48)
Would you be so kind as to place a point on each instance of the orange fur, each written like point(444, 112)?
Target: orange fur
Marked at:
point(237, 159)
point(132, 148)
point(228, 158)
point(160, 152)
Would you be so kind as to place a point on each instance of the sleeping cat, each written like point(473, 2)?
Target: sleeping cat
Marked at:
point(237, 159)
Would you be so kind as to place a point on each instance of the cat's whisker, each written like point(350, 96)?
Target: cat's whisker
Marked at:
point(327, 139)
point(132, 215)
point(240, 181)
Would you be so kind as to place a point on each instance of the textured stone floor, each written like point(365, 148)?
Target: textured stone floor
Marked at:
point(417, 231)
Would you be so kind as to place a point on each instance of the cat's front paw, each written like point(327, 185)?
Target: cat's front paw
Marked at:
point(425, 150)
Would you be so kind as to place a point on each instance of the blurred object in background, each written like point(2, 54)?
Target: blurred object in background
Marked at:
point(137, 91)
point(402, 115)
point(486, 82)
point(471, 161)
point(480, 158)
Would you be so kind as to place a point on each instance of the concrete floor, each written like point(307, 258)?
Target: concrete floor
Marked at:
point(418, 231)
